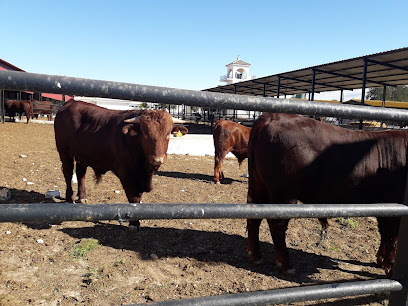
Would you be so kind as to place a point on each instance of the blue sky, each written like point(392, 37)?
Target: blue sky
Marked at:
point(186, 44)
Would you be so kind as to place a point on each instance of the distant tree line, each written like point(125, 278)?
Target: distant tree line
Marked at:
point(397, 93)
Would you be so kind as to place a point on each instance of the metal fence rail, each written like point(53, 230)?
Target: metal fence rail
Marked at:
point(22, 81)
point(122, 212)
point(290, 295)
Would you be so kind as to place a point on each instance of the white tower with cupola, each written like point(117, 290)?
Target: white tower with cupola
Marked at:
point(237, 71)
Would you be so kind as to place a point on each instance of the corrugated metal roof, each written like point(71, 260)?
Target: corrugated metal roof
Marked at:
point(386, 68)
point(7, 66)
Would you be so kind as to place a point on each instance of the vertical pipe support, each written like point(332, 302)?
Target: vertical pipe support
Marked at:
point(401, 264)
point(235, 111)
point(313, 85)
point(384, 95)
point(2, 109)
point(363, 88)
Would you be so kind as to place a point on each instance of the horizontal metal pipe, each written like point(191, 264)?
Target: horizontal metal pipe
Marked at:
point(290, 295)
point(94, 212)
point(23, 81)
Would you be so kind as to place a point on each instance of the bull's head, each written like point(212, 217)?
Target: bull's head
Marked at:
point(153, 128)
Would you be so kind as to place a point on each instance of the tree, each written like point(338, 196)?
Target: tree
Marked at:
point(398, 93)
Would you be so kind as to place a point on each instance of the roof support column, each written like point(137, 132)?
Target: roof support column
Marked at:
point(384, 95)
point(341, 96)
point(313, 85)
point(234, 113)
point(363, 87)
point(278, 93)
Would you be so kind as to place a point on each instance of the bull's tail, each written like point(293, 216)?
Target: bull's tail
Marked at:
point(98, 178)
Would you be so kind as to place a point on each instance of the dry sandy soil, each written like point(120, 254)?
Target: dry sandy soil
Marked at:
point(168, 259)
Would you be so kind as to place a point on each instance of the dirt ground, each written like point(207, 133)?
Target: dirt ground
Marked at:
point(48, 264)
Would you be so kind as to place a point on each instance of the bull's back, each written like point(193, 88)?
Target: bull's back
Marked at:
point(86, 132)
point(229, 135)
point(316, 162)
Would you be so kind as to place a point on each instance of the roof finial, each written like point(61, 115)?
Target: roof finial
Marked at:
point(238, 57)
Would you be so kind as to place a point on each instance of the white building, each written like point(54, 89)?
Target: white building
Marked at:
point(237, 71)
point(110, 103)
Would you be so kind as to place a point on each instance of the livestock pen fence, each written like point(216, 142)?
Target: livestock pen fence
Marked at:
point(397, 285)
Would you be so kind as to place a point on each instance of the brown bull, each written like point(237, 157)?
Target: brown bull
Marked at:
point(43, 108)
point(13, 107)
point(132, 144)
point(229, 137)
point(292, 158)
point(179, 128)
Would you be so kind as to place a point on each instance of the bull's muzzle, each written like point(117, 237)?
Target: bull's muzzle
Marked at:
point(158, 160)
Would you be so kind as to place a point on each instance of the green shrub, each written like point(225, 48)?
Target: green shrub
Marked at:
point(81, 248)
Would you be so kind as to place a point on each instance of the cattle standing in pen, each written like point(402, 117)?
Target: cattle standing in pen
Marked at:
point(179, 128)
point(19, 106)
point(292, 158)
point(43, 108)
point(132, 144)
point(228, 137)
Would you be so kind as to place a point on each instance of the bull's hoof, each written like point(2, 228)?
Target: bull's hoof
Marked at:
point(257, 260)
point(218, 183)
point(380, 261)
point(290, 272)
point(134, 228)
point(388, 272)
point(83, 201)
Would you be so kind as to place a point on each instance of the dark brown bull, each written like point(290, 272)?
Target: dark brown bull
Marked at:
point(292, 158)
point(229, 137)
point(179, 128)
point(132, 144)
point(16, 106)
point(43, 108)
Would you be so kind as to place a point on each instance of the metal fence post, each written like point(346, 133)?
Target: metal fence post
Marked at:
point(401, 261)
point(2, 109)
point(401, 266)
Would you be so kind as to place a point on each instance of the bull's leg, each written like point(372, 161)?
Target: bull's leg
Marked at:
point(323, 233)
point(217, 169)
point(80, 173)
point(253, 249)
point(68, 170)
point(218, 174)
point(389, 229)
point(278, 232)
point(135, 224)
point(133, 197)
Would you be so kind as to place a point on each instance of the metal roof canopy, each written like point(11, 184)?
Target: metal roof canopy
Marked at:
point(377, 70)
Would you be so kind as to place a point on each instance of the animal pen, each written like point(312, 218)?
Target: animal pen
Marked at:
point(398, 285)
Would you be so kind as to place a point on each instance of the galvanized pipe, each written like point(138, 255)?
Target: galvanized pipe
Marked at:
point(16, 80)
point(2, 109)
point(291, 295)
point(82, 212)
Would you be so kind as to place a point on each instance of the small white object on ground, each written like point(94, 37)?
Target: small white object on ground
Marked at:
point(52, 193)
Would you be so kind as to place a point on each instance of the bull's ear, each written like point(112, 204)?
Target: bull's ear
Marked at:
point(129, 129)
